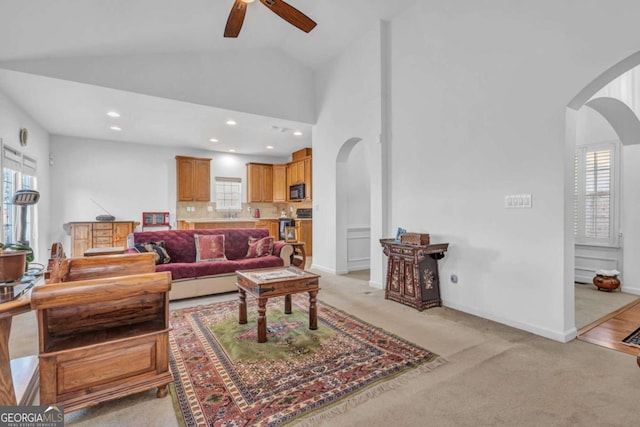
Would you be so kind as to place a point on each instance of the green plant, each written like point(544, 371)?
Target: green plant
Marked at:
point(18, 247)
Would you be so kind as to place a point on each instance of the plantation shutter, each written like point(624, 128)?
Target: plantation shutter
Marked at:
point(595, 191)
point(598, 194)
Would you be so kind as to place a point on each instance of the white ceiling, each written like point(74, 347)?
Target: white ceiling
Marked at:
point(41, 29)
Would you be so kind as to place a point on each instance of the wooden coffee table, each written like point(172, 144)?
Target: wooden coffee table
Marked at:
point(274, 282)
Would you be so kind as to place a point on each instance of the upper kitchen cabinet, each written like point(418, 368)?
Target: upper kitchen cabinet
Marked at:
point(194, 179)
point(259, 182)
point(299, 171)
point(280, 183)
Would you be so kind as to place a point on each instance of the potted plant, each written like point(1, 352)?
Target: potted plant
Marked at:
point(14, 258)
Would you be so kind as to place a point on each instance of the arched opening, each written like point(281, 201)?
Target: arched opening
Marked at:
point(353, 201)
point(609, 118)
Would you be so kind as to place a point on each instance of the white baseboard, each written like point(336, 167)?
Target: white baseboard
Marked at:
point(322, 268)
point(561, 336)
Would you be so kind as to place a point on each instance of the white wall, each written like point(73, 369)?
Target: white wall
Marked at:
point(593, 128)
point(264, 82)
point(12, 119)
point(126, 179)
point(349, 106)
point(358, 207)
point(478, 100)
point(630, 218)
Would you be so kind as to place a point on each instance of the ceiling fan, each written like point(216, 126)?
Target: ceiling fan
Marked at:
point(279, 7)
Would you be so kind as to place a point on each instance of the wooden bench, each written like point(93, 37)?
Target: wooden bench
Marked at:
point(102, 338)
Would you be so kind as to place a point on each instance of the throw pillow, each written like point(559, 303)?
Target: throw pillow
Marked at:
point(209, 247)
point(260, 247)
point(158, 248)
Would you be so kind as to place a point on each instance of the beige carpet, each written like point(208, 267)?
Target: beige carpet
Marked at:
point(496, 375)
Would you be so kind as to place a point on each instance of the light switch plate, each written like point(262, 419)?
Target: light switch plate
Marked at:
point(518, 201)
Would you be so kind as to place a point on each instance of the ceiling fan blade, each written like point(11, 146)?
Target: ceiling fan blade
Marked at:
point(290, 14)
point(236, 18)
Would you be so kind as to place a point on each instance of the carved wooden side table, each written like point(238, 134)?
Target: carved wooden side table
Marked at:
point(412, 273)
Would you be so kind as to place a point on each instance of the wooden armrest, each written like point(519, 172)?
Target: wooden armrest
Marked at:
point(85, 268)
point(85, 292)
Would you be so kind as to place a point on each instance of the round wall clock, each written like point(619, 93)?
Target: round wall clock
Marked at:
point(24, 135)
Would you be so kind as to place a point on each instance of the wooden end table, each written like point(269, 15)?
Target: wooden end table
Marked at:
point(273, 282)
point(299, 254)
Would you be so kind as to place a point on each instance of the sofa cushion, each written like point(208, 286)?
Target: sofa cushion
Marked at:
point(209, 247)
point(231, 266)
point(157, 248)
point(260, 247)
point(190, 270)
point(181, 245)
point(180, 270)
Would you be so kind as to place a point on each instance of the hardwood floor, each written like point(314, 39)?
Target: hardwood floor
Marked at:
point(610, 330)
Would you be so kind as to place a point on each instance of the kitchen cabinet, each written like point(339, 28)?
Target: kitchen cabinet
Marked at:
point(304, 232)
point(259, 182)
point(412, 273)
point(299, 171)
point(280, 188)
point(271, 225)
point(295, 172)
point(86, 235)
point(193, 178)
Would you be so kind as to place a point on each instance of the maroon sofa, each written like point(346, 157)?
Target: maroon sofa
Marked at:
point(191, 278)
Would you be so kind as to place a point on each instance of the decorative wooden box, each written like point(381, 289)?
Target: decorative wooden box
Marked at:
point(414, 239)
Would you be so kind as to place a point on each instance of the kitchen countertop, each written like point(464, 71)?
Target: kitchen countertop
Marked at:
point(201, 220)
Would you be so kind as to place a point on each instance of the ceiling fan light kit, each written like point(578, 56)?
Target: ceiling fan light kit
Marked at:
point(279, 7)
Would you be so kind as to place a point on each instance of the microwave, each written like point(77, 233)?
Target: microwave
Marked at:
point(296, 192)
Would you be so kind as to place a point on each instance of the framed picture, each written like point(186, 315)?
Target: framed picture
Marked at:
point(290, 234)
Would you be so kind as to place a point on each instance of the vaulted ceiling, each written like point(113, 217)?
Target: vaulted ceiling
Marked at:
point(37, 31)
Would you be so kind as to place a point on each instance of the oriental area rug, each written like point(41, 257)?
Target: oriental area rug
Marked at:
point(223, 376)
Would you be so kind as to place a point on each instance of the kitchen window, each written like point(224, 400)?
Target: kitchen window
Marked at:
point(596, 190)
point(228, 194)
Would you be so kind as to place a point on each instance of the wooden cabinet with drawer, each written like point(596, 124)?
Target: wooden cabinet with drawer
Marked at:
point(86, 235)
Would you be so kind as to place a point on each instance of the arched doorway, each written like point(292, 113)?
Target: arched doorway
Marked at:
point(623, 124)
point(353, 201)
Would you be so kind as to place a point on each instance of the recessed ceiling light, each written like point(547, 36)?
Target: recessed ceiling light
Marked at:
point(232, 150)
point(113, 114)
point(269, 147)
point(297, 133)
point(115, 128)
point(231, 122)
point(213, 140)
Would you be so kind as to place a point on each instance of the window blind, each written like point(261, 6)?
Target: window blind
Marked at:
point(598, 194)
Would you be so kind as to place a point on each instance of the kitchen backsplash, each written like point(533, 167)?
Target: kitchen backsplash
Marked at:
point(207, 210)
